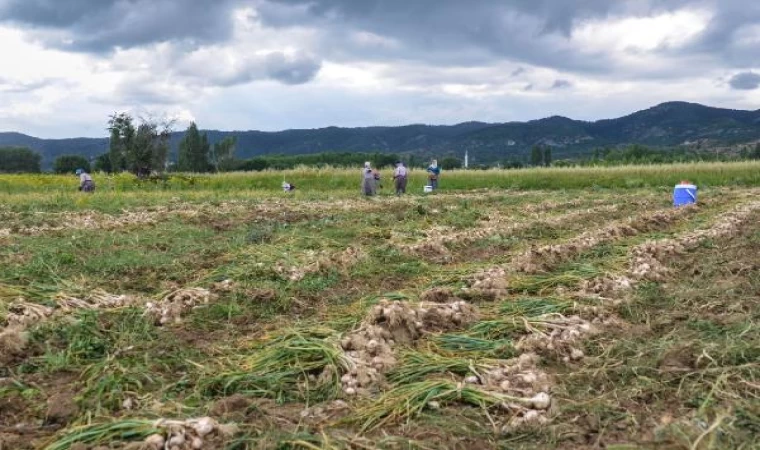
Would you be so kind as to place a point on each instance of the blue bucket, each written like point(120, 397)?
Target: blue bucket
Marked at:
point(684, 194)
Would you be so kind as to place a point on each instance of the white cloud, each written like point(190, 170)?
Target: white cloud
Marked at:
point(638, 35)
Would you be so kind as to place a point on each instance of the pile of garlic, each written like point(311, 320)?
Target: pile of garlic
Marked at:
point(174, 305)
point(516, 376)
point(23, 314)
point(323, 261)
point(646, 259)
point(557, 335)
point(520, 378)
point(606, 285)
point(190, 434)
point(491, 283)
point(406, 322)
point(89, 221)
point(342, 260)
point(223, 286)
point(369, 349)
point(546, 257)
point(96, 299)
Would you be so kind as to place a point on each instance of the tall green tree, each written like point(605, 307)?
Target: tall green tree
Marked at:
point(547, 156)
point(139, 150)
point(70, 163)
point(140, 159)
point(122, 140)
point(19, 160)
point(536, 156)
point(194, 151)
point(223, 154)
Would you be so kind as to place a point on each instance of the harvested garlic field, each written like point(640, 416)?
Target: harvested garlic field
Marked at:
point(213, 318)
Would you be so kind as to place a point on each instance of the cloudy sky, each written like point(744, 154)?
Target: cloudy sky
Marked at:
point(278, 64)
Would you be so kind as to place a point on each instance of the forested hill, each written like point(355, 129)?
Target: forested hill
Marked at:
point(665, 125)
point(52, 148)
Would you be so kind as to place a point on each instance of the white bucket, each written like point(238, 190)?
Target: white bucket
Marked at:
point(427, 189)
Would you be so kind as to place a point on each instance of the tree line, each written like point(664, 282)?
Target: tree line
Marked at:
point(640, 154)
point(142, 148)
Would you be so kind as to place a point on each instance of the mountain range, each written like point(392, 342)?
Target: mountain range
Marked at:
point(665, 125)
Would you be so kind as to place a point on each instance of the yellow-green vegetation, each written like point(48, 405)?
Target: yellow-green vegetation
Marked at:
point(220, 312)
point(335, 180)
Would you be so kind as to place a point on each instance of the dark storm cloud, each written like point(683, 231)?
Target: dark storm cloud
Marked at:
point(298, 69)
point(745, 81)
point(287, 68)
point(517, 72)
point(101, 25)
point(53, 13)
point(723, 35)
point(556, 15)
point(531, 31)
point(449, 29)
point(472, 33)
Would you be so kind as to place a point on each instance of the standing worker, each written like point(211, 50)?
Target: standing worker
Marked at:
point(376, 176)
point(85, 181)
point(368, 180)
point(433, 173)
point(399, 177)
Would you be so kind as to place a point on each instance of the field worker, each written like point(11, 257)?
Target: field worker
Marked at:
point(368, 180)
point(399, 177)
point(376, 176)
point(85, 181)
point(433, 173)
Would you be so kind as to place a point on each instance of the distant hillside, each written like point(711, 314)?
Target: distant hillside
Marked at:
point(665, 125)
point(52, 148)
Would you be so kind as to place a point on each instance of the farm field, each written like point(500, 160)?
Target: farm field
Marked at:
point(221, 313)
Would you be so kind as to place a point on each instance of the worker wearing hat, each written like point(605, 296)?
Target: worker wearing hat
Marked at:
point(85, 181)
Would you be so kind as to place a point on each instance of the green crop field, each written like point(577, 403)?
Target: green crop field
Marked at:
point(542, 308)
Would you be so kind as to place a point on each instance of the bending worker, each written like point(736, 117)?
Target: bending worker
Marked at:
point(85, 181)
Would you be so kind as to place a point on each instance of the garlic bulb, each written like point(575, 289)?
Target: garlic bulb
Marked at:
point(155, 442)
point(540, 401)
point(204, 426)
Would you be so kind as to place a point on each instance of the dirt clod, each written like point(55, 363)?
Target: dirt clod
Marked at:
point(13, 341)
point(61, 409)
point(439, 295)
point(234, 405)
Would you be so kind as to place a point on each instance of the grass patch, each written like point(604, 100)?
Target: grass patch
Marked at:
point(295, 365)
point(409, 400)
